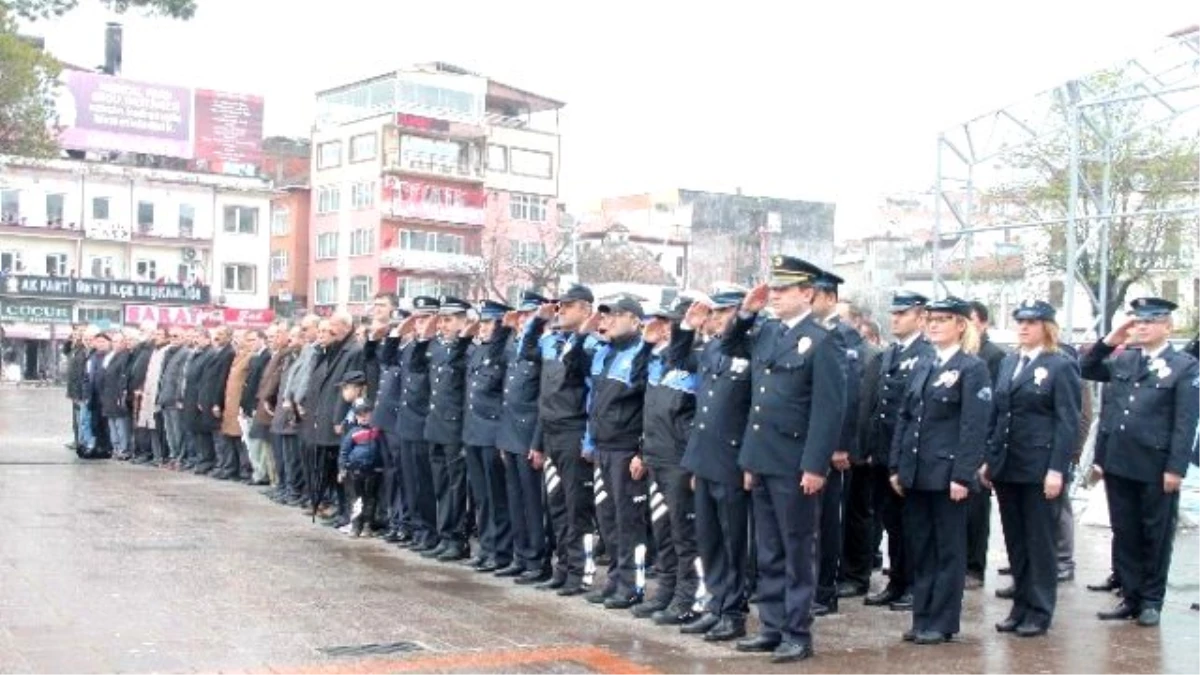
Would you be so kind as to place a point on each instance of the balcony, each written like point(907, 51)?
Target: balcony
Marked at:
point(15, 224)
point(183, 235)
point(433, 166)
point(431, 261)
point(431, 202)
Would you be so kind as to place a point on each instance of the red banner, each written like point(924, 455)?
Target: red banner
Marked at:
point(194, 317)
point(421, 200)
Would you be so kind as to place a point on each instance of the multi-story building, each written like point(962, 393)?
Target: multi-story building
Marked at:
point(424, 181)
point(288, 270)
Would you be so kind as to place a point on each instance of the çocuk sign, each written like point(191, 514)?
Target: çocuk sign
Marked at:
point(34, 311)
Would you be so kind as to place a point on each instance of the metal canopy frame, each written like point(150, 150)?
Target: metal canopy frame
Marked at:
point(1168, 79)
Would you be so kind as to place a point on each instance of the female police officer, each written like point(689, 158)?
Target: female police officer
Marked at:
point(936, 452)
point(1036, 423)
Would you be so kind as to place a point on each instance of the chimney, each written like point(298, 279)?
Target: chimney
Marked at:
point(112, 48)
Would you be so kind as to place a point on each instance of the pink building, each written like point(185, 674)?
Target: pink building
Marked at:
point(431, 181)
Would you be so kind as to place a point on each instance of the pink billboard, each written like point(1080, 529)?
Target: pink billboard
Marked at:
point(100, 112)
point(229, 130)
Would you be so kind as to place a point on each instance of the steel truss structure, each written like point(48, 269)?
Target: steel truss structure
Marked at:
point(970, 155)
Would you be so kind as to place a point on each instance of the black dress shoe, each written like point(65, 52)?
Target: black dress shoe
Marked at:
point(726, 629)
point(909, 635)
point(930, 637)
point(513, 570)
point(475, 561)
point(531, 577)
point(1008, 625)
point(791, 651)
point(571, 589)
point(825, 609)
point(425, 546)
point(622, 601)
point(554, 583)
point(701, 625)
point(453, 553)
point(435, 551)
point(1006, 593)
point(1065, 575)
point(599, 595)
point(673, 616)
point(885, 597)
point(1121, 612)
point(1148, 617)
point(1107, 586)
point(758, 644)
point(849, 589)
point(649, 607)
point(488, 566)
point(902, 604)
point(392, 537)
point(1031, 629)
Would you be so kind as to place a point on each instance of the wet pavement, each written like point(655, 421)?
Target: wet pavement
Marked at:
point(111, 567)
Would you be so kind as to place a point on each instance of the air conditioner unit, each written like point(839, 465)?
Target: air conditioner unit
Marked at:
point(189, 254)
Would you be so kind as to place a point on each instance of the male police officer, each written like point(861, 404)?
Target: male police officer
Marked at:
point(1148, 420)
point(416, 470)
point(895, 369)
point(794, 426)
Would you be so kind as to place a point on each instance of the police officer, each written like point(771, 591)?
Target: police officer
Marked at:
point(896, 367)
point(833, 497)
point(722, 505)
point(936, 452)
point(794, 426)
point(381, 357)
point(979, 510)
point(670, 407)
point(1148, 422)
point(1035, 425)
point(562, 419)
point(523, 481)
point(485, 471)
point(414, 334)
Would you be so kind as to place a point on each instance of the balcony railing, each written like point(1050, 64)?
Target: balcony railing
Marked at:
point(426, 164)
point(54, 226)
point(431, 261)
point(185, 231)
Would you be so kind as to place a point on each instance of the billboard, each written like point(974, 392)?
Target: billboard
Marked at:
point(197, 317)
point(222, 131)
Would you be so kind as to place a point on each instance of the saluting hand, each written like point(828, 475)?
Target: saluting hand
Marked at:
point(696, 315)
point(593, 323)
point(546, 311)
point(756, 300)
point(958, 492)
point(812, 483)
point(1120, 332)
point(511, 320)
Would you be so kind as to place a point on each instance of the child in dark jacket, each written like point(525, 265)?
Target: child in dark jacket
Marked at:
point(360, 464)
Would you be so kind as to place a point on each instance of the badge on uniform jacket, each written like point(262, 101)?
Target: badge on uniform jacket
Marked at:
point(804, 345)
point(907, 364)
point(1039, 375)
point(739, 365)
point(1160, 368)
point(947, 379)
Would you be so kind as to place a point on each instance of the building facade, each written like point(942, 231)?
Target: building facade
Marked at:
point(289, 264)
point(421, 180)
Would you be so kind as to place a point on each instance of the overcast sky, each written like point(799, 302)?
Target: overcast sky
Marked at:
point(838, 101)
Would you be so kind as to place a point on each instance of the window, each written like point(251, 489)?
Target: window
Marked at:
point(432, 154)
point(362, 147)
point(100, 208)
point(527, 207)
point(187, 220)
point(10, 206)
point(329, 199)
point(532, 163)
point(327, 245)
point(362, 241)
point(145, 216)
point(279, 222)
point(279, 265)
point(1170, 290)
point(55, 206)
point(527, 252)
point(326, 291)
point(497, 158)
point(438, 99)
point(329, 154)
point(431, 241)
point(241, 220)
point(98, 315)
point(10, 261)
point(362, 195)
point(145, 270)
point(1056, 293)
point(239, 278)
point(56, 264)
point(412, 287)
point(361, 289)
point(101, 266)
point(187, 272)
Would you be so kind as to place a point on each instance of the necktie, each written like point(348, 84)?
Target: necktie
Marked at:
point(1021, 366)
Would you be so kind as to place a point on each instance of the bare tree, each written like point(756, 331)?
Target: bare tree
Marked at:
point(621, 261)
point(511, 256)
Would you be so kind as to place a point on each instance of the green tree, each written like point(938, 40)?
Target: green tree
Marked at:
point(28, 76)
point(1151, 167)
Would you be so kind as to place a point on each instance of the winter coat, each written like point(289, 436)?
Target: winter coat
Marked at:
point(114, 387)
point(268, 388)
point(148, 404)
point(213, 379)
point(231, 410)
point(77, 356)
point(170, 385)
point(323, 398)
point(284, 420)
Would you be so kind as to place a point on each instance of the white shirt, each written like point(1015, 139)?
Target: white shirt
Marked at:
point(944, 355)
point(1157, 352)
point(792, 322)
point(1029, 357)
point(907, 342)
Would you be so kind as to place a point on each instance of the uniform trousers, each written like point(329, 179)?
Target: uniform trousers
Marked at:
point(421, 503)
point(787, 526)
point(526, 508)
point(832, 529)
point(859, 544)
point(1143, 524)
point(392, 490)
point(1064, 536)
point(937, 547)
point(485, 472)
point(673, 523)
point(569, 499)
point(1029, 525)
point(446, 465)
point(626, 528)
point(721, 535)
point(979, 529)
point(890, 511)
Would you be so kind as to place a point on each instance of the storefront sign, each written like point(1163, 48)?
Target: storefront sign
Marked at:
point(103, 289)
point(198, 316)
point(25, 310)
